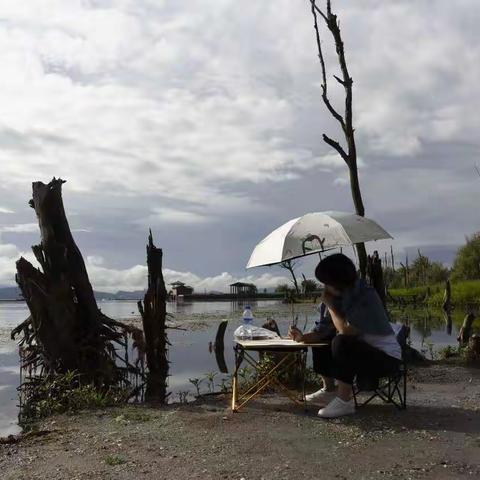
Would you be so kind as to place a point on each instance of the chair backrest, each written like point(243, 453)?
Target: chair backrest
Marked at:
point(402, 334)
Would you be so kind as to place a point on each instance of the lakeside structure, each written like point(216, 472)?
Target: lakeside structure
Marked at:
point(241, 289)
point(180, 289)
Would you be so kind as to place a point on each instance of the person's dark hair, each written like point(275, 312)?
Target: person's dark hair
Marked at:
point(337, 270)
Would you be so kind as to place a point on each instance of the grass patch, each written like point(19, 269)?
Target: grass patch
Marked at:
point(463, 293)
point(63, 394)
point(113, 460)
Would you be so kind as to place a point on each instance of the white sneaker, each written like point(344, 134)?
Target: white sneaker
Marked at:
point(337, 408)
point(321, 395)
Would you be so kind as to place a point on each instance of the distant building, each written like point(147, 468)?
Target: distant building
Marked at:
point(179, 288)
point(243, 289)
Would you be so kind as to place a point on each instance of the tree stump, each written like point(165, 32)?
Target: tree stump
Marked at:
point(466, 329)
point(66, 330)
point(474, 347)
point(154, 316)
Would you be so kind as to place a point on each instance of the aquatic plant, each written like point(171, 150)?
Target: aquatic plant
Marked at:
point(183, 396)
point(225, 385)
point(196, 383)
point(210, 376)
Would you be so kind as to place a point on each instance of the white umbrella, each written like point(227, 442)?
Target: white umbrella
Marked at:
point(313, 233)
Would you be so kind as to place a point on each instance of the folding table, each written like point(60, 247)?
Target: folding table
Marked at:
point(243, 352)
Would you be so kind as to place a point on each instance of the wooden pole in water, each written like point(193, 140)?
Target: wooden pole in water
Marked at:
point(447, 297)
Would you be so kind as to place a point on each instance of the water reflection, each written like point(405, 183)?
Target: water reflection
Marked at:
point(190, 356)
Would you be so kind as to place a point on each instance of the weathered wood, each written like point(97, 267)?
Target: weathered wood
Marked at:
point(219, 337)
point(154, 315)
point(375, 273)
point(219, 347)
point(67, 329)
point(447, 297)
point(447, 315)
point(466, 329)
point(474, 347)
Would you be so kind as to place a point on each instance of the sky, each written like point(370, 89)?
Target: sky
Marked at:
point(202, 120)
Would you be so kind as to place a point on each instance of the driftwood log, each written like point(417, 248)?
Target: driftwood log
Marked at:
point(66, 330)
point(154, 316)
point(219, 347)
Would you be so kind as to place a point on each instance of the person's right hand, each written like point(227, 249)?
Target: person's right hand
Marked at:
point(295, 334)
point(327, 298)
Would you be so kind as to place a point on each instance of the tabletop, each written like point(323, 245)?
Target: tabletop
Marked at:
point(277, 343)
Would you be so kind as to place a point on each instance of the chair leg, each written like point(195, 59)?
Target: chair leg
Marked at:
point(354, 392)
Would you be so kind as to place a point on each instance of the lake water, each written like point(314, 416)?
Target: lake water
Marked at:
point(189, 354)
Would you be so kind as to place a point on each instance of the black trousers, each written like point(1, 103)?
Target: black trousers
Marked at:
point(347, 357)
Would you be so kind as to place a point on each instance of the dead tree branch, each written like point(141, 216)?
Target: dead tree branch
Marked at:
point(348, 153)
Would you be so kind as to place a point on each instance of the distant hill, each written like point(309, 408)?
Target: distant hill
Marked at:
point(121, 295)
point(10, 293)
point(13, 293)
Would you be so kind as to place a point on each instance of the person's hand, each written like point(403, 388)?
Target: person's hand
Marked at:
point(295, 334)
point(327, 298)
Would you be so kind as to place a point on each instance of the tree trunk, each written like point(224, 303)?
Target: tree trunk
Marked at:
point(154, 316)
point(474, 348)
point(345, 119)
point(68, 331)
point(359, 210)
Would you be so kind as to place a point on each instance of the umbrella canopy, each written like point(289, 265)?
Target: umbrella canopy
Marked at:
point(313, 233)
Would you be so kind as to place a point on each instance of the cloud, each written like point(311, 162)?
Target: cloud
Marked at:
point(9, 254)
point(173, 215)
point(19, 228)
point(135, 278)
point(107, 279)
point(205, 120)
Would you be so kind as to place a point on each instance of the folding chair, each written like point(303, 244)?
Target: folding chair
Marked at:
point(391, 388)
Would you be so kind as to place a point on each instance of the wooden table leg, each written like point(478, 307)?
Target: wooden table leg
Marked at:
point(238, 361)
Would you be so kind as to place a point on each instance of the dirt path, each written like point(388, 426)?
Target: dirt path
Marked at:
point(438, 437)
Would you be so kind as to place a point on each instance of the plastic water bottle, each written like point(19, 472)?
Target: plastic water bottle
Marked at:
point(248, 323)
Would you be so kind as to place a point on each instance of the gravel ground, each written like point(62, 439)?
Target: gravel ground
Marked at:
point(438, 437)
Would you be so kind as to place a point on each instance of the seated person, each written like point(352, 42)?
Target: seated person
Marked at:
point(365, 343)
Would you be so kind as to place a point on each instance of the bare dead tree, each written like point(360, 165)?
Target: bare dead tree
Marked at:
point(290, 266)
point(154, 316)
point(345, 119)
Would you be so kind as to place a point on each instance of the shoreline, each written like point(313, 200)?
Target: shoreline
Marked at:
point(437, 437)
